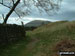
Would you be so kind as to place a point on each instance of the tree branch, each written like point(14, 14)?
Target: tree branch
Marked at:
point(13, 2)
point(4, 5)
point(10, 8)
point(3, 16)
point(11, 11)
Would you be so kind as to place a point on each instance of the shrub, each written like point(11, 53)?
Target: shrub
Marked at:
point(11, 33)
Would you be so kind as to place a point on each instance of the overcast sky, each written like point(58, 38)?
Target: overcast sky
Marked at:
point(66, 12)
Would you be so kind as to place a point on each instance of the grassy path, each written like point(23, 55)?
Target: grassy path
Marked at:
point(14, 49)
point(22, 48)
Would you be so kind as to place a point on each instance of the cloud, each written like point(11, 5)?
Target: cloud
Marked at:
point(3, 9)
point(66, 12)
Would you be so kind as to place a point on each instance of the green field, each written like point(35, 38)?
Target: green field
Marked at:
point(44, 41)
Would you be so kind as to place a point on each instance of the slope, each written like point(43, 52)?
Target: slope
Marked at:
point(36, 23)
point(44, 40)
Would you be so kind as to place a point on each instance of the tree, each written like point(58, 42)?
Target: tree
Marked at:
point(46, 5)
point(11, 11)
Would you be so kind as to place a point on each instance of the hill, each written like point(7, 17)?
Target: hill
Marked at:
point(46, 40)
point(36, 23)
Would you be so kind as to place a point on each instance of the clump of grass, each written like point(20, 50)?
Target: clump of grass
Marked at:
point(65, 44)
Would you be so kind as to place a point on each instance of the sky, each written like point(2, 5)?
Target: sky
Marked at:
point(66, 12)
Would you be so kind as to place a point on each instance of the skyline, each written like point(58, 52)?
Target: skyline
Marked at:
point(66, 12)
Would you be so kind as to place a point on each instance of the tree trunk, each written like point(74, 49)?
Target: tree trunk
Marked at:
point(11, 11)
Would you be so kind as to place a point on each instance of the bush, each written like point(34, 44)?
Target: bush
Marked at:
point(11, 33)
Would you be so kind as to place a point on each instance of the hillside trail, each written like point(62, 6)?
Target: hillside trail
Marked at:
point(20, 49)
point(28, 48)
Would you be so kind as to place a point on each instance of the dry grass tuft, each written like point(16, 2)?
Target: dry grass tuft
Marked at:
point(64, 45)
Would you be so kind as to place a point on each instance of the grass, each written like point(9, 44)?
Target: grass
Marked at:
point(45, 41)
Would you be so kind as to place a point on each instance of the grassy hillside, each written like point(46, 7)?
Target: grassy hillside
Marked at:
point(46, 40)
point(36, 23)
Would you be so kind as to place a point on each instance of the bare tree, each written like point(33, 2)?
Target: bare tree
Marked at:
point(46, 5)
point(11, 11)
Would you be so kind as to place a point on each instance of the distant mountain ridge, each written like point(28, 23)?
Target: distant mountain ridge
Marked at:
point(36, 23)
